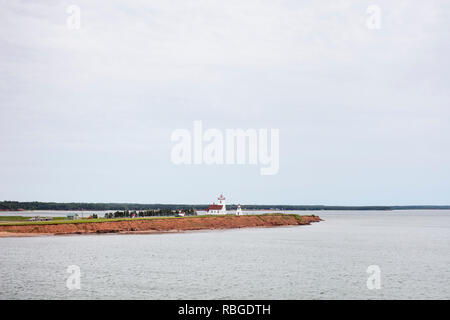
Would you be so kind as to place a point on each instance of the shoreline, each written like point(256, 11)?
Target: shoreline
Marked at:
point(155, 225)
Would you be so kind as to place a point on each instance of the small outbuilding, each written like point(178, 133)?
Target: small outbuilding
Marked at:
point(72, 216)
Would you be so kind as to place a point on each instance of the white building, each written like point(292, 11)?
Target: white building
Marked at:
point(219, 208)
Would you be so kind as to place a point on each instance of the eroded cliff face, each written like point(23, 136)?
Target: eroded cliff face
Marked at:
point(161, 225)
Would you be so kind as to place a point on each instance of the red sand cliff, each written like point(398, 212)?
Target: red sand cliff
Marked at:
point(160, 225)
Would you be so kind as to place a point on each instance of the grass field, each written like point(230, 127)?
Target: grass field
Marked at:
point(21, 220)
point(13, 218)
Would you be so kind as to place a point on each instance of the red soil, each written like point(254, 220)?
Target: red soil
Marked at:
point(159, 225)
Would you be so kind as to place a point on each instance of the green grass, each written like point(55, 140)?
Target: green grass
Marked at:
point(13, 218)
point(63, 220)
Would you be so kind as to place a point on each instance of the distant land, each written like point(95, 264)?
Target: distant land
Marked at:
point(17, 206)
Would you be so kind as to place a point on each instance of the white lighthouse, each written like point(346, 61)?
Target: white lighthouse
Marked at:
point(221, 199)
point(219, 208)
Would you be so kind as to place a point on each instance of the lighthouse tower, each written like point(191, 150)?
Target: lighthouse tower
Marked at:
point(219, 208)
point(239, 210)
point(221, 199)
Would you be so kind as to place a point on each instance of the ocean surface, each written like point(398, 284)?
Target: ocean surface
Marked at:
point(326, 260)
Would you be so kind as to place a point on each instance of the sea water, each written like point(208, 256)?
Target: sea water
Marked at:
point(325, 260)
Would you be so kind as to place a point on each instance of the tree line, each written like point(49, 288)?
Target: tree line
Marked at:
point(72, 206)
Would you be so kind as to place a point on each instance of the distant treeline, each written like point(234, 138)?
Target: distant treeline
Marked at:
point(75, 206)
point(16, 205)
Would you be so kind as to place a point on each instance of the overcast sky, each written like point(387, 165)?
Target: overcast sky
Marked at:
point(364, 114)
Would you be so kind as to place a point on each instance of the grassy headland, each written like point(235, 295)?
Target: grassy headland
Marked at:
point(152, 224)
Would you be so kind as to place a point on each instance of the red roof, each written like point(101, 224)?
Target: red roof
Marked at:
point(215, 207)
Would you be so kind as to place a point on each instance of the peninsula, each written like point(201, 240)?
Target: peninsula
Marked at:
point(153, 225)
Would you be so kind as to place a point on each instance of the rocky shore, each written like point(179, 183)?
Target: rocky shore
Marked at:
point(157, 225)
